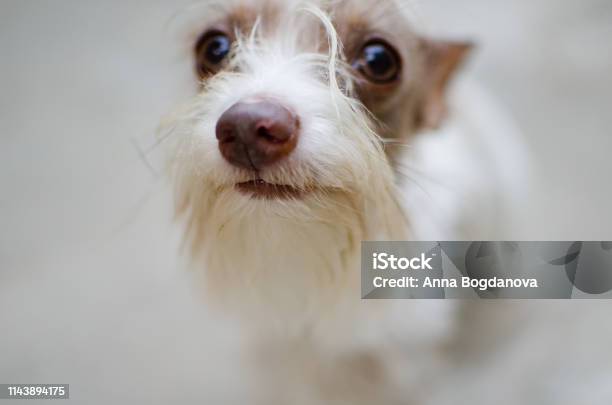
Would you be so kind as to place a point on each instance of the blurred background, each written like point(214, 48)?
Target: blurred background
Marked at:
point(92, 290)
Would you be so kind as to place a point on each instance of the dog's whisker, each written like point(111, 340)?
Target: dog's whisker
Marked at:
point(160, 140)
point(144, 158)
point(416, 182)
point(406, 170)
point(394, 142)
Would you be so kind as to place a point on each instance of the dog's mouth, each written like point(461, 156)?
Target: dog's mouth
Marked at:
point(268, 191)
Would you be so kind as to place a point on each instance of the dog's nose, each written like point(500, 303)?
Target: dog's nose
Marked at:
point(253, 135)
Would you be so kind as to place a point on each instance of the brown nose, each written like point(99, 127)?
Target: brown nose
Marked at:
point(253, 135)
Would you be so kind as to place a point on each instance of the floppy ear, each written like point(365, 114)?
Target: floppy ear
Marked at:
point(442, 60)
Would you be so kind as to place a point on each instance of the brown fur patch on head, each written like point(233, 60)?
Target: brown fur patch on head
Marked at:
point(416, 101)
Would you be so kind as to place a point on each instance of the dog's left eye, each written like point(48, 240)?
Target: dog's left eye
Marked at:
point(211, 51)
point(378, 62)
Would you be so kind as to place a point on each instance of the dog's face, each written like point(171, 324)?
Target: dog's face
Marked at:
point(296, 103)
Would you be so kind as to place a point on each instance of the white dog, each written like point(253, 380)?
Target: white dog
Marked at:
point(319, 125)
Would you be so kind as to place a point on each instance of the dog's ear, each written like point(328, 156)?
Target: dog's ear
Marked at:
point(442, 60)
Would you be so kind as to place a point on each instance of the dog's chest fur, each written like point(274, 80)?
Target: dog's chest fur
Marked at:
point(289, 268)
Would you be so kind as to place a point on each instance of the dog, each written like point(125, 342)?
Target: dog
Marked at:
point(319, 125)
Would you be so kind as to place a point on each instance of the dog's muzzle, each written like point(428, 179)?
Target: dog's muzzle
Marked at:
point(253, 135)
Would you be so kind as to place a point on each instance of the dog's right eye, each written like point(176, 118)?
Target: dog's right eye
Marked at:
point(211, 52)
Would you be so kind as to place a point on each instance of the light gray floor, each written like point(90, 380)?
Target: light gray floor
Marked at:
point(90, 291)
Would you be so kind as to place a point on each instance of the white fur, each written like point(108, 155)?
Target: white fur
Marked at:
point(291, 267)
point(312, 245)
point(469, 179)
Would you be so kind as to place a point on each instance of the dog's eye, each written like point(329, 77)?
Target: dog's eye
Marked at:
point(211, 51)
point(378, 62)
